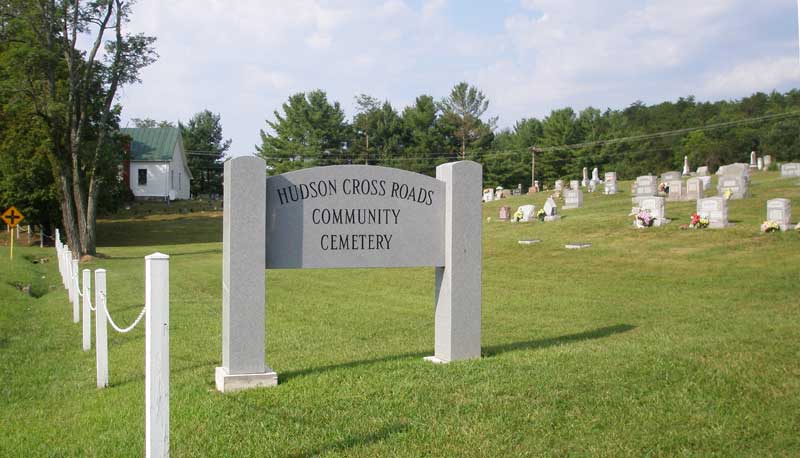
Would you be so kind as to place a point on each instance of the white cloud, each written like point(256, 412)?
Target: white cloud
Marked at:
point(244, 58)
point(756, 75)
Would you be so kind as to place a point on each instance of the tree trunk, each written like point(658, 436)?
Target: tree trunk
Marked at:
point(79, 198)
point(91, 217)
point(68, 212)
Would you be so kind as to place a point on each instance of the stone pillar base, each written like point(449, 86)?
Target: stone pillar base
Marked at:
point(435, 360)
point(227, 383)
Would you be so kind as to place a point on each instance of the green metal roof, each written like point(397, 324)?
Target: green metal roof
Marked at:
point(152, 143)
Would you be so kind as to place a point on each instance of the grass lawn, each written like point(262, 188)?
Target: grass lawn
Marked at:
point(657, 342)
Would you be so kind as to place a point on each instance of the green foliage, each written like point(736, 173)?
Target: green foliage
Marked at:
point(310, 132)
point(462, 111)
point(206, 147)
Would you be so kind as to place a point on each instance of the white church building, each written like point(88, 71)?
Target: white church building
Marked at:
point(156, 164)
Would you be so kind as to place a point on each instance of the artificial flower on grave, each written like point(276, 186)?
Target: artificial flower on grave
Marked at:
point(517, 216)
point(770, 226)
point(642, 218)
point(698, 221)
point(727, 194)
point(797, 228)
point(541, 214)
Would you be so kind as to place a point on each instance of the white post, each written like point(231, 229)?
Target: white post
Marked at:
point(100, 330)
point(87, 312)
point(457, 324)
point(156, 355)
point(73, 280)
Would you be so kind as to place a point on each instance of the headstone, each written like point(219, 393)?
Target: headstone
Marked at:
point(677, 191)
point(535, 188)
point(715, 209)
point(753, 160)
point(574, 184)
point(646, 185)
point(610, 183)
point(488, 195)
point(767, 161)
point(559, 185)
point(585, 181)
point(655, 205)
point(670, 176)
point(790, 169)
point(505, 213)
point(736, 184)
point(738, 168)
point(694, 188)
point(573, 198)
point(706, 180)
point(506, 193)
point(702, 171)
point(780, 211)
point(551, 210)
point(498, 192)
point(528, 212)
point(516, 192)
point(685, 166)
point(760, 163)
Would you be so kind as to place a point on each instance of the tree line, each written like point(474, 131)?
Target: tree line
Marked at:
point(310, 131)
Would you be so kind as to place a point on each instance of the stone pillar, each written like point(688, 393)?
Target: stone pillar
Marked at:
point(458, 283)
point(243, 277)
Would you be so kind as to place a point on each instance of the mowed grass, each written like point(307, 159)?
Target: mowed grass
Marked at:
point(658, 342)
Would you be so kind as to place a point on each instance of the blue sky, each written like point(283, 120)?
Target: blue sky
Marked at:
point(243, 58)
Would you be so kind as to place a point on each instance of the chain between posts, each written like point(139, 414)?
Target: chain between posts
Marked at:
point(114, 325)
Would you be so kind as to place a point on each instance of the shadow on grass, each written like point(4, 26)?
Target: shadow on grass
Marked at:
point(488, 351)
point(149, 232)
point(172, 255)
point(177, 370)
point(354, 441)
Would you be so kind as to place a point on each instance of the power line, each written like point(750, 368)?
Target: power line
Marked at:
point(670, 133)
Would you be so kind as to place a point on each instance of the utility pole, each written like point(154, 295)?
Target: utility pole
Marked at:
point(535, 150)
point(366, 158)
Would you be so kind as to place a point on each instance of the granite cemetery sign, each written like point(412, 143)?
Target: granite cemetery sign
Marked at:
point(347, 216)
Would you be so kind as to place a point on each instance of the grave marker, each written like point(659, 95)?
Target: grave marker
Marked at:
point(780, 211)
point(715, 209)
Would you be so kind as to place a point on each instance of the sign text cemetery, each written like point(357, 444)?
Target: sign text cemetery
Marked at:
point(347, 216)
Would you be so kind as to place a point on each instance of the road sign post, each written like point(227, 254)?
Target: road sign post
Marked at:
point(12, 217)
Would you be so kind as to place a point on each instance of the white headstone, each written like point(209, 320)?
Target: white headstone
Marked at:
point(706, 180)
point(573, 198)
point(646, 185)
point(767, 161)
point(715, 209)
point(702, 171)
point(780, 211)
point(736, 184)
point(694, 188)
point(559, 185)
point(551, 210)
point(753, 157)
point(677, 191)
point(760, 163)
point(685, 165)
point(488, 195)
point(610, 183)
point(574, 184)
point(655, 205)
point(585, 180)
point(790, 169)
point(670, 176)
point(528, 212)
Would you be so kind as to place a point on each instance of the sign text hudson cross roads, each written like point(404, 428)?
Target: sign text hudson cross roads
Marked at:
point(12, 216)
point(347, 216)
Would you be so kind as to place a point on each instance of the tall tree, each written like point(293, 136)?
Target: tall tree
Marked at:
point(310, 132)
point(206, 147)
point(463, 109)
point(73, 90)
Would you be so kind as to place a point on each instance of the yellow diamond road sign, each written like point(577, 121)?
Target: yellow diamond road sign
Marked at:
point(12, 216)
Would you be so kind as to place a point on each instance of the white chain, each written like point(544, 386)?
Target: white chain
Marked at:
point(114, 325)
point(78, 289)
